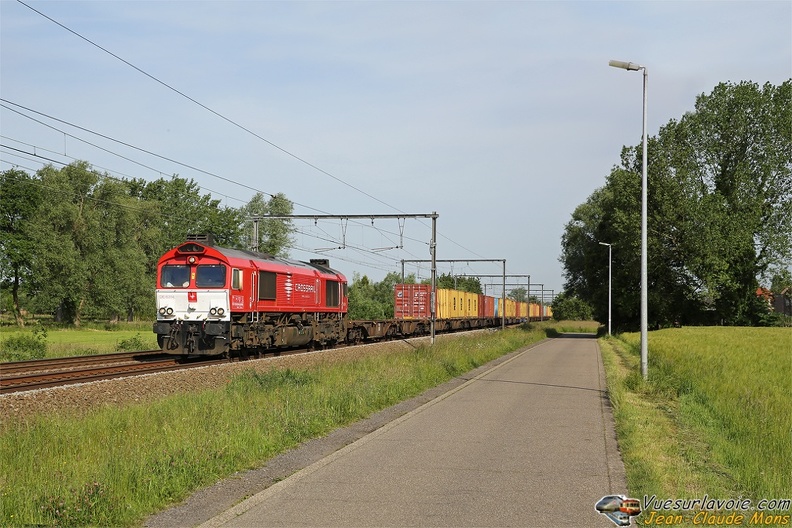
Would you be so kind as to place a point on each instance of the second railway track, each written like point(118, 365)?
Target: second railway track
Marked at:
point(28, 375)
point(19, 376)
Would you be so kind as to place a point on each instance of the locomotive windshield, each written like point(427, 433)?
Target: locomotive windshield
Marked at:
point(174, 276)
point(210, 276)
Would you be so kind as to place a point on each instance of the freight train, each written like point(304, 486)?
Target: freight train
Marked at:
point(214, 301)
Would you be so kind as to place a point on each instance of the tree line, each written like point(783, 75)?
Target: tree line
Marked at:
point(78, 243)
point(719, 217)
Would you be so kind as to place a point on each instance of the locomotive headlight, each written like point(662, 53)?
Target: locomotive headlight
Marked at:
point(162, 311)
point(220, 311)
point(169, 311)
point(213, 311)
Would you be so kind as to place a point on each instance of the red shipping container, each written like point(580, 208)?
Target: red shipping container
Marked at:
point(489, 306)
point(412, 301)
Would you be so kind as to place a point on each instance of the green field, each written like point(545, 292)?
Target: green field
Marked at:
point(18, 344)
point(715, 417)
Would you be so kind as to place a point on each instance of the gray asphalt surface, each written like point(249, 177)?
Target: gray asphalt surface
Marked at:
point(527, 442)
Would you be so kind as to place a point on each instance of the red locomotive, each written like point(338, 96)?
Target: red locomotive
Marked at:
point(213, 300)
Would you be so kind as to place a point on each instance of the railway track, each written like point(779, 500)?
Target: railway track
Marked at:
point(34, 365)
point(20, 376)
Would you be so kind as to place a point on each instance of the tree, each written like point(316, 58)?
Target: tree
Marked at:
point(519, 294)
point(374, 300)
point(67, 234)
point(452, 282)
point(570, 308)
point(122, 284)
point(184, 210)
point(720, 199)
point(585, 264)
point(274, 235)
point(19, 200)
point(77, 243)
point(735, 151)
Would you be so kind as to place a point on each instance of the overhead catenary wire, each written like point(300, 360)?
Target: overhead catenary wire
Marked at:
point(371, 264)
point(38, 158)
point(109, 173)
point(232, 122)
point(120, 142)
point(218, 114)
point(109, 138)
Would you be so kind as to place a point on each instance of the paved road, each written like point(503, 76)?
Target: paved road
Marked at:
point(527, 443)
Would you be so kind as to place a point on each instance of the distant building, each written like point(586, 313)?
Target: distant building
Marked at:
point(777, 302)
point(782, 302)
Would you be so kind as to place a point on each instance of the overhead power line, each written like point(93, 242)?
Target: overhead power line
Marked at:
point(230, 121)
point(218, 114)
point(150, 153)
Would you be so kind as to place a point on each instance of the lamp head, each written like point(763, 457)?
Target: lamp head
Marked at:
point(625, 65)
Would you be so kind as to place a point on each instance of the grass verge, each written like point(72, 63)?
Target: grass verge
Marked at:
point(714, 418)
point(41, 341)
point(115, 466)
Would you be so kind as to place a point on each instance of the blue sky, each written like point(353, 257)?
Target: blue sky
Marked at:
point(500, 116)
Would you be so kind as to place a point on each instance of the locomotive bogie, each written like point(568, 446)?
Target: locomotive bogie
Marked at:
point(193, 338)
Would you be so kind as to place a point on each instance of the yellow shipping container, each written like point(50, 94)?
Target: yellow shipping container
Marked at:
point(443, 309)
point(449, 303)
point(511, 307)
point(455, 304)
point(470, 308)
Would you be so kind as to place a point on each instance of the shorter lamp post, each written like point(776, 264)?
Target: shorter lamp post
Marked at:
point(610, 261)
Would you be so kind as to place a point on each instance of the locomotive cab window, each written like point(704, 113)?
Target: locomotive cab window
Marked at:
point(236, 279)
point(175, 276)
point(210, 276)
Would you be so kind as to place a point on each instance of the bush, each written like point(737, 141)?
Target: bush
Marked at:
point(133, 344)
point(570, 308)
point(22, 347)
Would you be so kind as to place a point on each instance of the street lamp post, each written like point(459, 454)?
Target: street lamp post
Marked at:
point(630, 66)
point(610, 289)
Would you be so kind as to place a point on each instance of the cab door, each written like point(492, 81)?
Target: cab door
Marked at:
point(254, 292)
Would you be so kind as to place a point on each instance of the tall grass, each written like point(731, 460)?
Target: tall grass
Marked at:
point(715, 416)
point(117, 465)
